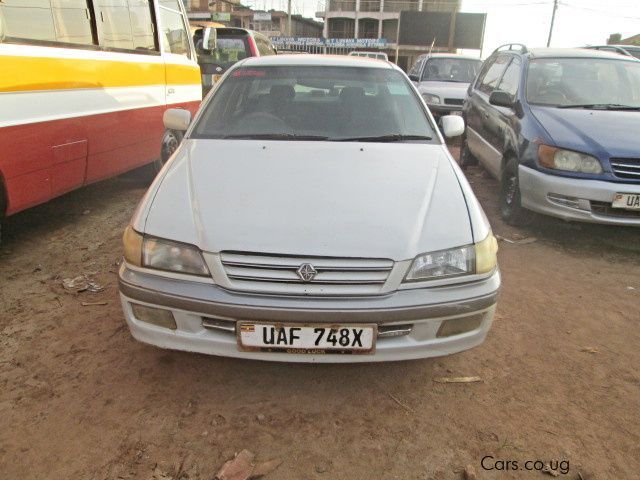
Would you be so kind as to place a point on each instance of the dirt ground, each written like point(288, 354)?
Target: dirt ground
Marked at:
point(81, 399)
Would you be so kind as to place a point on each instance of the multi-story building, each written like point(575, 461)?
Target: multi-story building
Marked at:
point(233, 14)
point(377, 19)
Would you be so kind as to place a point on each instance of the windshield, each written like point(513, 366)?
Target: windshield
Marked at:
point(317, 102)
point(567, 82)
point(228, 50)
point(462, 70)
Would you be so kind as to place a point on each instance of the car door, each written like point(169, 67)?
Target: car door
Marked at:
point(502, 122)
point(481, 116)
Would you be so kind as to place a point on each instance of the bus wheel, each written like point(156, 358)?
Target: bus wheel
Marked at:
point(170, 142)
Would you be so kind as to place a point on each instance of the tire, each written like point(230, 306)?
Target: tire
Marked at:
point(466, 157)
point(510, 205)
point(170, 143)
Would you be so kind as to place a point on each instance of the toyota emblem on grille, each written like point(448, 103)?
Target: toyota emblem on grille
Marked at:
point(306, 272)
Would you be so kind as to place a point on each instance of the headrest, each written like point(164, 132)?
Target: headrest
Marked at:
point(352, 93)
point(282, 92)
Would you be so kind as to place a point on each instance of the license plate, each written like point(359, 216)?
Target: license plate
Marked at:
point(629, 201)
point(307, 339)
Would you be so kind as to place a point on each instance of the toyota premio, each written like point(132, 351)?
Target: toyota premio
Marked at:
point(312, 213)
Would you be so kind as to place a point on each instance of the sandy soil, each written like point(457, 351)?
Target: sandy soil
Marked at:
point(79, 398)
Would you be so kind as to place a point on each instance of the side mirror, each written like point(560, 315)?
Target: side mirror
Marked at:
point(176, 119)
point(500, 98)
point(452, 125)
point(413, 77)
point(209, 39)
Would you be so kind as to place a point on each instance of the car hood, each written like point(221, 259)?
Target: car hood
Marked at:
point(444, 89)
point(371, 200)
point(605, 133)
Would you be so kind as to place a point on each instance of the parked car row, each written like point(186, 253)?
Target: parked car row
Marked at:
point(559, 129)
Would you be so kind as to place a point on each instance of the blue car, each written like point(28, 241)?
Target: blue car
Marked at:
point(560, 129)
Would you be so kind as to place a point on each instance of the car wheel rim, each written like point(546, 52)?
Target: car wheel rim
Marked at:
point(169, 146)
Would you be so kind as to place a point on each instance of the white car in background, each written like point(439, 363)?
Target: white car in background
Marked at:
point(443, 80)
point(312, 213)
point(374, 55)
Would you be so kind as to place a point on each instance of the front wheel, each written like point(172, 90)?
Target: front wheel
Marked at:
point(510, 200)
point(170, 143)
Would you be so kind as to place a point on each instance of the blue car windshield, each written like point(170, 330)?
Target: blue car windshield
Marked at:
point(584, 83)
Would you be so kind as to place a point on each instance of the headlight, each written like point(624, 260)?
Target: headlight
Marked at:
point(431, 99)
point(162, 254)
point(567, 160)
point(468, 260)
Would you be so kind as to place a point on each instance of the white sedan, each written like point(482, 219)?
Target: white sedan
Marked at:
point(312, 213)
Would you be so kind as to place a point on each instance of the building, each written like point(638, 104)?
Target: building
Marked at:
point(376, 19)
point(635, 40)
point(232, 13)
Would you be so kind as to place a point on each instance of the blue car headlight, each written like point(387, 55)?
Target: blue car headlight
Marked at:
point(567, 160)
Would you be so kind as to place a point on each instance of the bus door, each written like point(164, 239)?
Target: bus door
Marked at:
point(183, 83)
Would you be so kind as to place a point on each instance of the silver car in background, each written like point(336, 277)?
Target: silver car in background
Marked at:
point(443, 79)
point(312, 213)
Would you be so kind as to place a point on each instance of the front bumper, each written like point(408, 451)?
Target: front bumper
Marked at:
point(574, 198)
point(192, 303)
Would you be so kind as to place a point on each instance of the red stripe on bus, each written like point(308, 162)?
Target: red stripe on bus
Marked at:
point(42, 160)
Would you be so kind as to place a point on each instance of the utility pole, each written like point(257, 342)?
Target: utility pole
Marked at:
point(553, 19)
point(288, 18)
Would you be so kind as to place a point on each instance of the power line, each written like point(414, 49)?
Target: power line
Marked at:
point(605, 12)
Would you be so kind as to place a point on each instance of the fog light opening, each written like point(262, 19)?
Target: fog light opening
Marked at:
point(457, 326)
point(571, 202)
point(155, 316)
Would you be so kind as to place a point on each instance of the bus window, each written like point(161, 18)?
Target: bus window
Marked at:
point(114, 24)
point(173, 31)
point(65, 21)
point(142, 25)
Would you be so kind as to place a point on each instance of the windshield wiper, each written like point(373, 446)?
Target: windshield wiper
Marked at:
point(396, 137)
point(601, 106)
point(276, 136)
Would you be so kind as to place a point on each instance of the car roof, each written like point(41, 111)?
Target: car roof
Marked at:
point(626, 47)
point(572, 53)
point(316, 61)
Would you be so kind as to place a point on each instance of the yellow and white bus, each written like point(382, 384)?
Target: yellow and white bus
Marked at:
point(83, 88)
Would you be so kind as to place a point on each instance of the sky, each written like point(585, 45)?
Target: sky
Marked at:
point(578, 22)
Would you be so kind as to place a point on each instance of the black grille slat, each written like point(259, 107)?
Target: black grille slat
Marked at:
point(628, 168)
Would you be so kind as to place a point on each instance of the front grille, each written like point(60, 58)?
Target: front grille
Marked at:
point(269, 273)
point(604, 208)
point(626, 168)
point(453, 101)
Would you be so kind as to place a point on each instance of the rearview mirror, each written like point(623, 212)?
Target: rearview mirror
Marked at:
point(176, 119)
point(500, 98)
point(452, 125)
point(209, 38)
